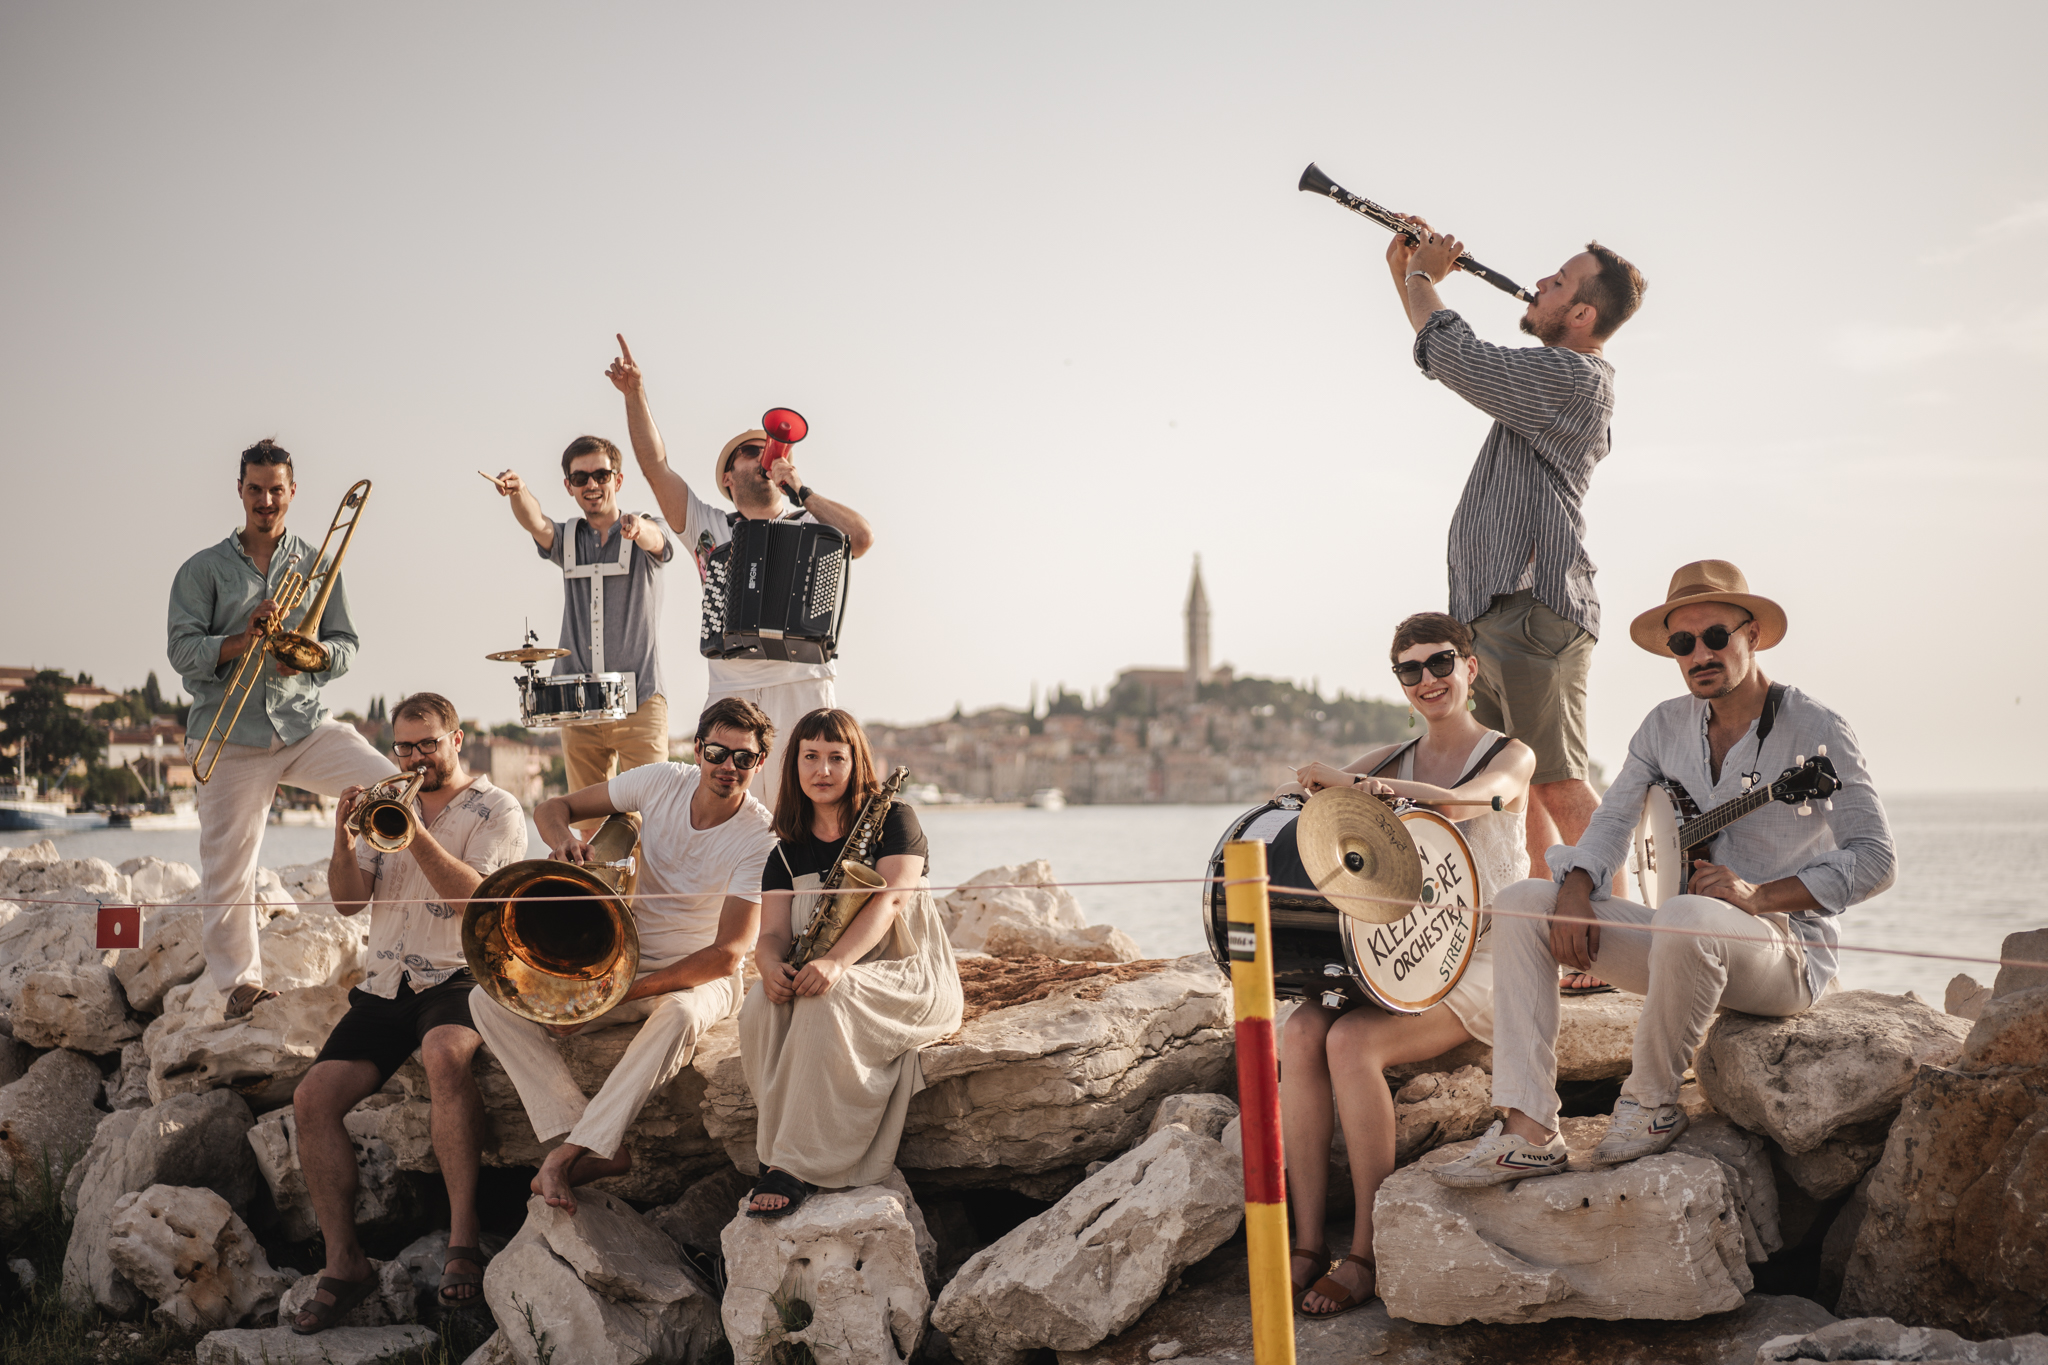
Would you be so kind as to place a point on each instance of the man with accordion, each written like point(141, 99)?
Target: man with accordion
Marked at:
point(773, 570)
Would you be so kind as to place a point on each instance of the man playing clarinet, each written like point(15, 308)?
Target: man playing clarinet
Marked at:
point(786, 690)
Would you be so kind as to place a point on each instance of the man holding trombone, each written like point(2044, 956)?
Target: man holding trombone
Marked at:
point(259, 721)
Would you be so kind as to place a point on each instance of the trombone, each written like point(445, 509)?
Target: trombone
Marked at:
point(387, 822)
point(298, 649)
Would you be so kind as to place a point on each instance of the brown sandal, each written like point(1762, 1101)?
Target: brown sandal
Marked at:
point(457, 1279)
point(1319, 1261)
point(244, 998)
point(1333, 1289)
point(347, 1294)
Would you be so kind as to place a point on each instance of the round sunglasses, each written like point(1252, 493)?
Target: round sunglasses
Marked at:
point(1440, 664)
point(716, 754)
point(1682, 642)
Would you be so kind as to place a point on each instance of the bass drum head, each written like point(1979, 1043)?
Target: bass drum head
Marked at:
point(1268, 823)
point(1414, 962)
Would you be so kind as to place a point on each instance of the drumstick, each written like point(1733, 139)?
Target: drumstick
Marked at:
point(491, 481)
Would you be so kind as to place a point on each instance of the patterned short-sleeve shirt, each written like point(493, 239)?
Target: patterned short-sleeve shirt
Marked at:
point(413, 933)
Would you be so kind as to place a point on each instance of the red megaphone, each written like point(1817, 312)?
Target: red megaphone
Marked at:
point(785, 427)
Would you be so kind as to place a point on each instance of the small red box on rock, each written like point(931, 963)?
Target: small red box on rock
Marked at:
point(120, 926)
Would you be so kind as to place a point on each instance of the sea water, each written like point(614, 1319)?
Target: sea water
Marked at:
point(1971, 870)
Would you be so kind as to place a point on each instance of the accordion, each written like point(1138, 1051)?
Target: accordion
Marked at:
point(777, 590)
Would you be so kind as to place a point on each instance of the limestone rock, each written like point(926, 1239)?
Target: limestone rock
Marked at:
point(261, 1056)
point(1035, 1089)
point(668, 1143)
point(152, 881)
point(309, 948)
point(1087, 1267)
point(170, 955)
point(1029, 894)
point(1955, 1237)
point(1091, 943)
point(335, 1346)
point(31, 880)
point(1849, 1060)
point(1208, 1115)
point(422, 1257)
point(383, 1199)
point(1661, 1237)
point(496, 1350)
point(2029, 946)
point(1881, 1339)
point(76, 1005)
point(1838, 1163)
point(189, 1140)
point(193, 1256)
point(47, 1120)
point(653, 1310)
point(1596, 1037)
point(128, 1087)
point(698, 1216)
point(860, 1258)
point(305, 882)
point(394, 1302)
point(1965, 998)
point(33, 938)
point(1839, 1242)
point(14, 1060)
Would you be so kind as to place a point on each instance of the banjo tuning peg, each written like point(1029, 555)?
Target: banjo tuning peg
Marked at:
point(1828, 804)
point(1806, 808)
point(1821, 751)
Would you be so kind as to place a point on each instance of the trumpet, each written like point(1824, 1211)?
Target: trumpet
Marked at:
point(298, 649)
point(387, 822)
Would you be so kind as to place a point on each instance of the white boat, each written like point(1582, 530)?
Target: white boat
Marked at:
point(183, 814)
point(22, 807)
point(923, 794)
point(1047, 798)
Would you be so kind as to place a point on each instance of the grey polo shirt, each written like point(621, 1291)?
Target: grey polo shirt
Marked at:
point(632, 604)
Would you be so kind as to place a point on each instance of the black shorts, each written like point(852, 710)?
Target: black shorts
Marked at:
point(387, 1032)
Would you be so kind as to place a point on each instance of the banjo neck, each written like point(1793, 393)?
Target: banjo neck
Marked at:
point(1701, 829)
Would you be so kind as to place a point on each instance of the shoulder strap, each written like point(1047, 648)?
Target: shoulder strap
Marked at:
point(1477, 768)
point(1394, 757)
point(1772, 698)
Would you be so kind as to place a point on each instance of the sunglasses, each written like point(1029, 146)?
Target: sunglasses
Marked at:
point(715, 755)
point(1440, 664)
point(584, 476)
point(425, 746)
point(1713, 637)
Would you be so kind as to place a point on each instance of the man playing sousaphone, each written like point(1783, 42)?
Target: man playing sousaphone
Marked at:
point(1756, 932)
point(1456, 759)
point(703, 840)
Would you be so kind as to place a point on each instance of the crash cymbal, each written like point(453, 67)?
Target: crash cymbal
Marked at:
point(532, 654)
point(1353, 845)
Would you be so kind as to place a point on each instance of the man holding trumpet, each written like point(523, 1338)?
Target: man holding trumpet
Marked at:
point(415, 996)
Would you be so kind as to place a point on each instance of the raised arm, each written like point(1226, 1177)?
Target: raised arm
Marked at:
point(671, 492)
point(1417, 268)
point(526, 508)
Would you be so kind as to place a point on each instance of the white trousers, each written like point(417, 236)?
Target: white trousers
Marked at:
point(233, 806)
point(1684, 978)
point(786, 704)
point(555, 1104)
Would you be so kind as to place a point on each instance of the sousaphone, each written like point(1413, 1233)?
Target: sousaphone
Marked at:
point(553, 941)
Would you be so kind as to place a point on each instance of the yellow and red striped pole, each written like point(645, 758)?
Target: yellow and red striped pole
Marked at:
point(1258, 1097)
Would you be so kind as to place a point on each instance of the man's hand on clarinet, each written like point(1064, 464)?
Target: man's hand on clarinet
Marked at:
point(1437, 256)
point(624, 374)
point(1400, 249)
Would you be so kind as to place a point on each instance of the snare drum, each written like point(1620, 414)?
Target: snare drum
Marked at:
point(1324, 955)
point(568, 698)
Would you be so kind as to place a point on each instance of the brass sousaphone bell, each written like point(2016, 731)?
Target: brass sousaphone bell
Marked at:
point(1359, 855)
point(553, 941)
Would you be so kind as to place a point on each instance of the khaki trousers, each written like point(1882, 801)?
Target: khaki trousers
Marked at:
point(589, 748)
point(233, 806)
point(555, 1104)
point(786, 704)
point(1684, 978)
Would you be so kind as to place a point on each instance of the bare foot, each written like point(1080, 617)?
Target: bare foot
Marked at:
point(569, 1166)
point(1353, 1276)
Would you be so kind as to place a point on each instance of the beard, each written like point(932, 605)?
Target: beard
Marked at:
point(1549, 331)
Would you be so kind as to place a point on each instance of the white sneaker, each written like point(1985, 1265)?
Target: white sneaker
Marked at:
point(1499, 1157)
point(1638, 1131)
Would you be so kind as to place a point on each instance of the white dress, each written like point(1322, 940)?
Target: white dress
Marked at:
point(1500, 857)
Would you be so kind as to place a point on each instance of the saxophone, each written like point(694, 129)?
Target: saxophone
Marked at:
point(851, 881)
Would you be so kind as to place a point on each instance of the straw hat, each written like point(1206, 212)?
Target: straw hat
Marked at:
point(725, 457)
point(1708, 580)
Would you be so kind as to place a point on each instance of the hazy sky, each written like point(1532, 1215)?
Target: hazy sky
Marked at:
point(1040, 279)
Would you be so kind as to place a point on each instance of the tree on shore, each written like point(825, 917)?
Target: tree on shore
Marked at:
point(52, 733)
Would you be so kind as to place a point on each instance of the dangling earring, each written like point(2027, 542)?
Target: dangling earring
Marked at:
point(1411, 717)
point(1471, 703)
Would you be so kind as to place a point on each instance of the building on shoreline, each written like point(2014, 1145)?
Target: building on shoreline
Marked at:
point(1193, 734)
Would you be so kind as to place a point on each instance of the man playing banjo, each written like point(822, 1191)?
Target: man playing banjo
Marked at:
point(788, 691)
point(1755, 930)
point(609, 628)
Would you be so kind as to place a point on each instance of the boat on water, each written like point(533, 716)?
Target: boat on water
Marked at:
point(23, 807)
point(178, 812)
point(1047, 798)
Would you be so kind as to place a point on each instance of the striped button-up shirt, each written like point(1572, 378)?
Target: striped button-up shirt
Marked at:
point(1843, 855)
point(413, 932)
point(1525, 497)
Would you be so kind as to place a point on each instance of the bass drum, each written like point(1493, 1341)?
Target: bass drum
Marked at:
point(1324, 955)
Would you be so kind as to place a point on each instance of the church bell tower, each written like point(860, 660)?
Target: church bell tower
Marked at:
point(1197, 631)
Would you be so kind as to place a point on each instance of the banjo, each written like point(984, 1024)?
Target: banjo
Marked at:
point(1673, 832)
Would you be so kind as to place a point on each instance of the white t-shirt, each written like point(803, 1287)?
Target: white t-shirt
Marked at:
point(704, 530)
point(698, 867)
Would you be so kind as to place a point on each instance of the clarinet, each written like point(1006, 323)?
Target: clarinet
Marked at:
point(1315, 182)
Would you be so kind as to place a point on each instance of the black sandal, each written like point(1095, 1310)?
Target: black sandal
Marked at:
point(347, 1294)
point(784, 1184)
point(244, 998)
point(455, 1279)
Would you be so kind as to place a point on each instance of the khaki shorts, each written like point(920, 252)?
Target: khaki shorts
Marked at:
point(591, 748)
point(1532, 682)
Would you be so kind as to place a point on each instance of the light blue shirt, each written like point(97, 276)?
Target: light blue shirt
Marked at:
point(211, 599)
point(1844, 855)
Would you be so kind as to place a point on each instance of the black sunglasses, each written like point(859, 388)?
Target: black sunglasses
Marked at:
point(715, 754)
point(1440, 664)
point(1713, 637)
point(584, 476)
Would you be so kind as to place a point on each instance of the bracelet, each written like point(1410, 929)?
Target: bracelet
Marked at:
point(1413, 273)
point(803, 495)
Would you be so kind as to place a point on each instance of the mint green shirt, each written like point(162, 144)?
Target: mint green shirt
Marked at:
point(211, 599)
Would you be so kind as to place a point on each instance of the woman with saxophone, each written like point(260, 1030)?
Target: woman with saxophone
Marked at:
point(830, 1044)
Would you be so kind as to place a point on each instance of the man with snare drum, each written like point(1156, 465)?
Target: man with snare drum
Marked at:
point(1755, 929)
point(609, 628)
